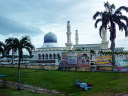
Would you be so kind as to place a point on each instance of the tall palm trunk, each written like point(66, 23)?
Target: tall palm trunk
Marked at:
point(112, 38)
point(19, 73)
point(12, 55)
point(113, 51)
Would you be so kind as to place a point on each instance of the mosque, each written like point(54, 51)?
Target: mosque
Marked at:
point(50, 50)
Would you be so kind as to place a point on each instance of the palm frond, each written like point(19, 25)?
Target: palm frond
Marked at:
point(126, 33)
point(121, 8)
point(100, 31)
point(97, 14)
point(117, 20)
point(118, 13)
point(112, 7)
point(25, 43)
point(97, 21)
point(124, 18)
point(2, 44)
point(29, 50)
point(2, 51)
point(124, 27)
point(106, 5)
point(105, 19)
point(24, 40)
point(2, 48)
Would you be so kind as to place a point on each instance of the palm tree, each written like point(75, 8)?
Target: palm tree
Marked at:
point(100, 52)
point(78, 50)
point(2, 48)
point(92, 52)
point(109, 19)
point(11, 46)
point(23, 43)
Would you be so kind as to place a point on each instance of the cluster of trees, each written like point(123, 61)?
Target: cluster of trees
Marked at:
point(120, 53)
point(15, 44)
point(16, 56)
point(109, 19)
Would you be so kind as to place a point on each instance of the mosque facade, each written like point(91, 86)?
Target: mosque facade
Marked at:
point(51, 51)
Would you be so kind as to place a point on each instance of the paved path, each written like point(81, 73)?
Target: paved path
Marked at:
point(31, 88)
point(120, 94)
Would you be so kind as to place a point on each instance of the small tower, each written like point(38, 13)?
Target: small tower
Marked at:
point(76, 37)
point(69, 43)
point(104, 41)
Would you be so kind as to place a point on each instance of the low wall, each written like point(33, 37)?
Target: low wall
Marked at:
point(55, 67)
point(70, 69)
point(83, 69)
point(50, 67)
point(77, 69)
point(104, 68)
point(45, 67)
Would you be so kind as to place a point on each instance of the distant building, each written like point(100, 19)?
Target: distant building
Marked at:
point(51, 51)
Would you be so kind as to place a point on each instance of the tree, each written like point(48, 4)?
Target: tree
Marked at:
point(11, 46)
point(100, 52)
point(23, 43)
point(92, 52)
point(2, 48)
point(109, 19)
point(78, 50)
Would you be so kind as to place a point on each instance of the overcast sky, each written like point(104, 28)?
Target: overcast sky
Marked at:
point(37, 17)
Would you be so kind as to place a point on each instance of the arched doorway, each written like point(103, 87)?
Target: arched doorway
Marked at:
point(46, 56)
point(54, 56)
point(43, 56)
point(39, 56)
point(50, 56)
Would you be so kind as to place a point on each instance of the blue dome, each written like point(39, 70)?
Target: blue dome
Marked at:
point(68, 22)
point(50, 38)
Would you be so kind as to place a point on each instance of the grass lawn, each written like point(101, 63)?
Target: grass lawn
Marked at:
point(63, 81)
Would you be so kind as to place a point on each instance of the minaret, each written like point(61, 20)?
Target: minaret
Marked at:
point(104, 41)
point(69, 43)
point(76, 37)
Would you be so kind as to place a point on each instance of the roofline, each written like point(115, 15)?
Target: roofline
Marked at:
point(88, 44)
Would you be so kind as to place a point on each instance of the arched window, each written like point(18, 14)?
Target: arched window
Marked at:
point(54, 56)
point(58, 55)
point(46, 56)
point(43, 56)
point(50, 56)
point(39, 56)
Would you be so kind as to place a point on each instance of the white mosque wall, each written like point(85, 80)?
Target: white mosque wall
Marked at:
point(47, 55)
point(51, 49)
point(87, 46)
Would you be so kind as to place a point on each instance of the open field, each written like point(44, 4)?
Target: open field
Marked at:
point(63, 81)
